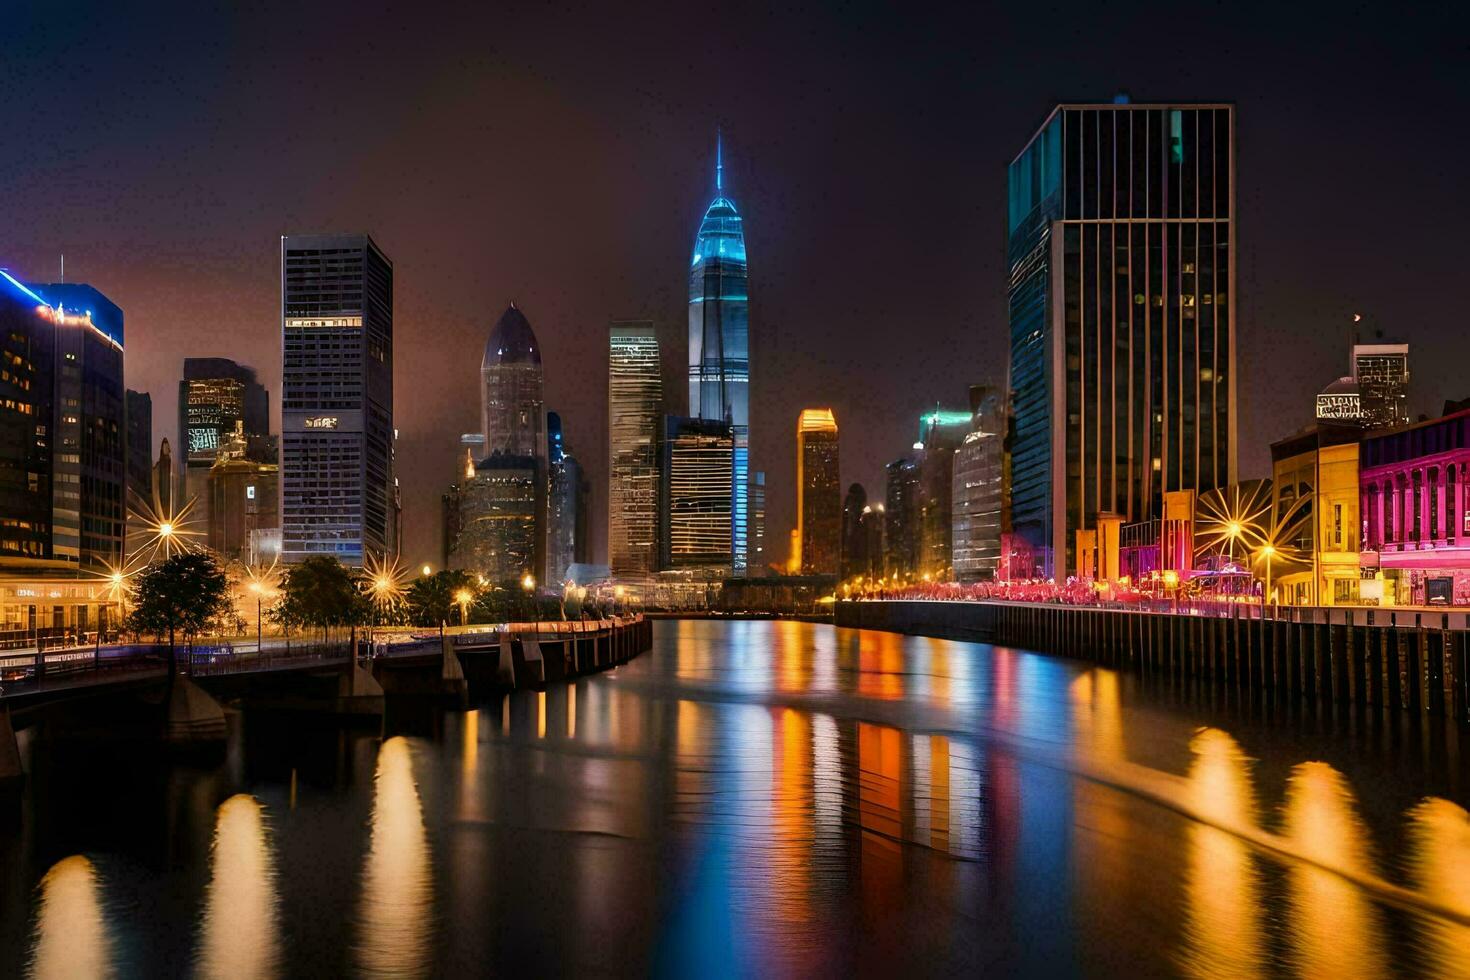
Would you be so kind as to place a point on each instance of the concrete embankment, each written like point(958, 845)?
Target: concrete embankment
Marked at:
point(1415, 661)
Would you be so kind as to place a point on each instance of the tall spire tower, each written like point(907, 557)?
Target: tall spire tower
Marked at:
point(719, 344)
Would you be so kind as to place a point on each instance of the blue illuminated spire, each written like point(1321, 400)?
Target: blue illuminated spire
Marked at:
point(719, 163)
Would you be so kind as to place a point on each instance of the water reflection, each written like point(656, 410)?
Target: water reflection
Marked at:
point(395, 916)
point(71, 938)
point(1439, 858)
point(239, 935)
point(1223, 932)
point(1337, 932)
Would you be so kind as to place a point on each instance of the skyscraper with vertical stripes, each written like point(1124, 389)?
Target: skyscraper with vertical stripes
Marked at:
point(1121, 249)
point(719, 346)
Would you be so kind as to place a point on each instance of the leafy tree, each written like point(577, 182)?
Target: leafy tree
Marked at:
point(185, 593)
point(321, 593)
point(432, 599)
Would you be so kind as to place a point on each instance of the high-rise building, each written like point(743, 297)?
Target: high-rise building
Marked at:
point(1382, 374)
point(513, 415)
point(634, 414)
point(941, 433)
point(901, 515)
point(337, 484)
point(1121, 249)
point(243, 497)
point(164, 482)
point(854, 535)
point(499, 535)
point(872, 524)
point(819, 492)
point(979, 478)
point(139, 495)
point(63, 462)
point(566, 507)
point(759, 565)
point(696, 457)
point(719, 346)
point(215, 394)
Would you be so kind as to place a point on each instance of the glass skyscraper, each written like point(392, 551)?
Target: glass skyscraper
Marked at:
point(719, 346)
point(337, 487)
point(634, 415)
point(1121, 251)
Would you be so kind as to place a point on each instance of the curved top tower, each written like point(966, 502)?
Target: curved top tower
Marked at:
point(512, 406)
point(719, 341)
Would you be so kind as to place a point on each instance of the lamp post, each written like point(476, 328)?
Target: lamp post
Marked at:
point(1268, 551)
point(256, 588)
point(528, 584)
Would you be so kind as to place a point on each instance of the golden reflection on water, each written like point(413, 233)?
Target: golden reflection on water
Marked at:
point(1097, 712)
point(240, 935)
point(880, 666)
point(71, 938)
point(792, 815)
point(1336, 930)
point(394, 921)
point(1439, 858)
point(1223, 932)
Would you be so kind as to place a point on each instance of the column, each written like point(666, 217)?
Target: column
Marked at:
point(1457, 515)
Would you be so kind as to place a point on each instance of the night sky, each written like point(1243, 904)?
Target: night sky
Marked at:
point(562, 157)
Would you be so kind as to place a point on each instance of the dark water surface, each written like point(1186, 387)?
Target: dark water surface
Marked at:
point(760, 799)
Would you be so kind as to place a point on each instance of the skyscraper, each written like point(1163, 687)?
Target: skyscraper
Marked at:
point(63, 466)
point(696, 457)
point(139, 495)
point(819, 492)
point(1382, 374)
point(719, 345)
point(513, 415)
point(499, 536)
point(854, 535)
point(1122, 317)
point(337, 487)
point(214, 395)
point(901, 515)
point(759, 564)
point(634, 413)
point(566, 507)
point(940, 434)
point(979, 476)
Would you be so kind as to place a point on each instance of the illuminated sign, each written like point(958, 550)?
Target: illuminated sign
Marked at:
point(1339, 407)
point(307, 323)
point(321, 422)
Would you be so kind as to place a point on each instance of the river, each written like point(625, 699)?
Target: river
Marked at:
point(759, 799)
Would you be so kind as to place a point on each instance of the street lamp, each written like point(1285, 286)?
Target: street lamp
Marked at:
point(259, 591)
point(426, 571)
point(1268, 551)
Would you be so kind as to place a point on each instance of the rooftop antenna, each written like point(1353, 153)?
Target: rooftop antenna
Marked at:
point(719, 162)
point(63, 267)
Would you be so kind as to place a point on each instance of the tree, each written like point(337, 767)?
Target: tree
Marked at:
point(185, 593)
point(433, 600)
point(321, 593)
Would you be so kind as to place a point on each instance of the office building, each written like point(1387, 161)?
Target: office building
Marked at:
point(696, 459)
point(566, 536)
point(1382, 375)
point(979, 487)
point(872, 525)
point(336, 464)
point(243, 498)
point(164, 482)
point(901, 515)
point(139, 493)
point(854, 534)
point(759, 564)
point(499, 533)
point(818, 492)
point(215, 395)
point(941, 433)
point(719, 346)
point(634, 415)
point(1121, 251)
point(513, 412)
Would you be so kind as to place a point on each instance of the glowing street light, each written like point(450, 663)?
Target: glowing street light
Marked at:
point(463, 598)
point(426, 571)
point(1269, 551)
point(529, 582)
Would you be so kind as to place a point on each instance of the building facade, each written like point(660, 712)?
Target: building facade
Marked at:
point(139, 492)
point(901, 516)
point(979, 491)
point(498, 534)
point(634, 415)
point(941, 433)
point(513, 417)
point(566, 536)
point(1382, 375)
point(1316, 525)
point(1121, 247)
point(336, 466)
point(719, 346)
point(818, 492)
point(1416, 512)
point(217, 395)
point(243, 497)
point(696, 458)
point(854, 534)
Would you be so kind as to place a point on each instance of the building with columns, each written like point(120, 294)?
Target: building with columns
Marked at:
point(1416, 518)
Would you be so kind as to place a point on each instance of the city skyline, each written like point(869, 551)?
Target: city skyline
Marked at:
point(799, 192)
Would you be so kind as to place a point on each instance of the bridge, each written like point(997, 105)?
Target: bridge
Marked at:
point(128, 691)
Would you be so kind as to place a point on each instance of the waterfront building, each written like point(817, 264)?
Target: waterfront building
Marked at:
point(243, 498)
point(901, 516)
point(979, 489)
point(634, 415)
point(215, 395)
point(513, 412)
point(336, 464)
point(719, 346)
point(872, 526)
point(567, 506)
point(696, 457)
point(1416, 512)
point(139, 492)
point(1121, 251)
point(941, 433)
point(854, 534)
point(1315, 527)
point(759, 564)
point(819, 492)
point(1381, 372)
point(498, 535)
